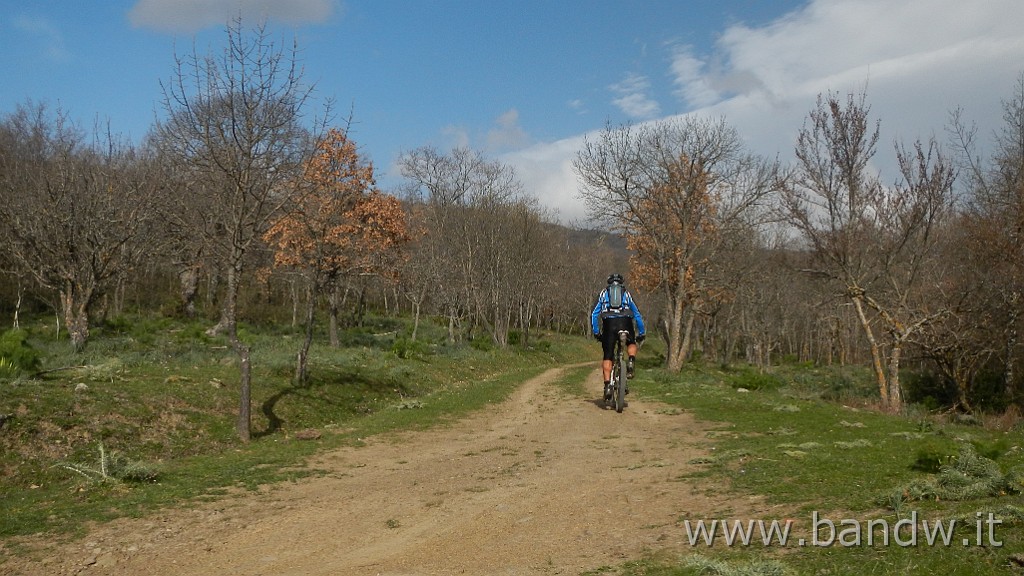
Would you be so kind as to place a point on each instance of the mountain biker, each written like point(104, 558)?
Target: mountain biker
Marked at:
point(615, 311)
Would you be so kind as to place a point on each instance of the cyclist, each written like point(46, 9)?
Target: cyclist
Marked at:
point(615, 311)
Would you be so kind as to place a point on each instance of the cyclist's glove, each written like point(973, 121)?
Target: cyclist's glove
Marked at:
point(640, 339)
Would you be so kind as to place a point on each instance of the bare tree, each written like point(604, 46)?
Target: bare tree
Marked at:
point(438, 184)
point(877, 244)
point(995, 219)
point(234, 123)
point(679, 191)
point(478, 237)
point(72, 213)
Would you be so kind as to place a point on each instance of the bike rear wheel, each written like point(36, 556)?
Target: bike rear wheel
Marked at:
point(620, 390)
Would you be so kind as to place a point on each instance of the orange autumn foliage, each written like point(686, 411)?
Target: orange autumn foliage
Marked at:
point(677, 217)
point(342, 224)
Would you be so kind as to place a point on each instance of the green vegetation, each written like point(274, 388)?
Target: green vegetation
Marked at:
point(144, 417)
point(16, 355)
point(808, 440)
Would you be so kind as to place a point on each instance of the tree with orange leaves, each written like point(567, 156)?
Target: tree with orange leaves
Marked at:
point(678, 191)
point(340, 226)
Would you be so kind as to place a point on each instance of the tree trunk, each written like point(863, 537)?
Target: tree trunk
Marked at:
point(676, 342)
point(78, 328)
point(876, 353)
point(525, 321)
point(293, 291)
point(334, 305)
point(17, 308)
point(895, 403)
point(244, 423)
point(75, 308)
point(300, 365)
point(415, 320)
point(229, 324)
point(188, 282)
point(221, 327)
point(1009, 367)
point(119, 293)
point(684, 347)
point(1009, 370)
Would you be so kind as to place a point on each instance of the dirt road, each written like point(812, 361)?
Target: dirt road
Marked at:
point(544, 483)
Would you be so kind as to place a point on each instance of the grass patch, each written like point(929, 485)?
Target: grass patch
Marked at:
point(574, 382)
point(806, 440)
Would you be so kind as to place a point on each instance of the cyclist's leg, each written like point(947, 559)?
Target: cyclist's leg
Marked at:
point(631, 349)
point(608, 335)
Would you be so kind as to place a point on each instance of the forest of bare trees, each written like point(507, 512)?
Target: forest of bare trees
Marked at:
point(244, 192)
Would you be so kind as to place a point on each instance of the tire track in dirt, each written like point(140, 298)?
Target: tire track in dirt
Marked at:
point(543, 483)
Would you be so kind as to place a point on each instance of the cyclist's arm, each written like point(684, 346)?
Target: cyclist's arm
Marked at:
point(595, 315)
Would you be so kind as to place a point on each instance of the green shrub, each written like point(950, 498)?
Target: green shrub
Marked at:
point(483, 344)
point(193, 333)
point(17, 354)
point(362, 337)
point(407, 348)
point(541, 345)
point(842, 387)
point(932, 457)
point(753, 380)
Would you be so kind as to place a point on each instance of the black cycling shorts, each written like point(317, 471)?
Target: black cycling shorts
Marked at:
point(610, 328)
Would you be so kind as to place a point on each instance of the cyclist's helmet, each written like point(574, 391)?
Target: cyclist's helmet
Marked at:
point(615, 279)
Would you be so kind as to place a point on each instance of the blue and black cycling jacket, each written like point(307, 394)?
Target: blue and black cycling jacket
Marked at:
point(603, 310)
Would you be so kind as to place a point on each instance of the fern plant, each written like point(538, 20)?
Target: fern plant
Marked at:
point(112, 467)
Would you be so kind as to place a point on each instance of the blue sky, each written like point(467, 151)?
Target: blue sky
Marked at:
point(525, 81)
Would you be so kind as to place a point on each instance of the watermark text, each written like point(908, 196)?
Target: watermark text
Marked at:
point(905, 532)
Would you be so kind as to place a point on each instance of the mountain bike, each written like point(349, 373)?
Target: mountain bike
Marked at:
point(618, 382)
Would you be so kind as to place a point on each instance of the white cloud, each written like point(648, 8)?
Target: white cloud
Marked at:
point(693, 84)
point(188, 16)
point(46, 33)
point(917, 61)
point(633, 97)
point(455, 136)
point(546, 172)
point(507, 134)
